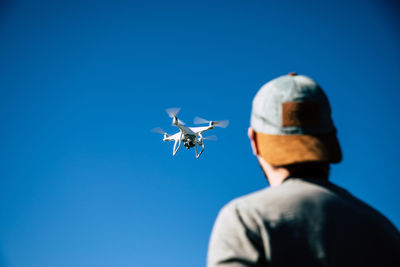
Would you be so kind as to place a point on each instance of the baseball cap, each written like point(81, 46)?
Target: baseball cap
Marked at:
point(291, 116)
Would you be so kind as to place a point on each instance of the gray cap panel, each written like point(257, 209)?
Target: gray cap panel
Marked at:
point(266, 116)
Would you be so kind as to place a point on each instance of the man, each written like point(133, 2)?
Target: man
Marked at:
point(302, 219)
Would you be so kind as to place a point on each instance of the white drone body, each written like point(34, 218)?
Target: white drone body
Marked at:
point(190, 136)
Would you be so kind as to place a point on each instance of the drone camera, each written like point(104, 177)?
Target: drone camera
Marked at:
point(189, 143)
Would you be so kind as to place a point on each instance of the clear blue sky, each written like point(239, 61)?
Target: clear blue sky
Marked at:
point(83, 181)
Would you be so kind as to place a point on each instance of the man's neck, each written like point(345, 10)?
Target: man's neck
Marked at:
point(275, 175)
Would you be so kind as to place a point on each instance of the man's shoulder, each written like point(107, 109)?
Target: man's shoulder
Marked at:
point(300, 196)
point(291, 190)
point(266, 200)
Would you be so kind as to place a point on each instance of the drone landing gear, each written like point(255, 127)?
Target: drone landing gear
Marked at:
point(202, 149)
point(179, 145)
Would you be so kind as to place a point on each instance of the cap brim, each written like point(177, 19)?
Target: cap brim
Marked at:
point(279, 150)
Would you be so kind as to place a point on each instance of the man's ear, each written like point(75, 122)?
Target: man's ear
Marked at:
point(253, 141)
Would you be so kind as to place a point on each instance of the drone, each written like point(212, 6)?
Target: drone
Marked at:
point(190, 136)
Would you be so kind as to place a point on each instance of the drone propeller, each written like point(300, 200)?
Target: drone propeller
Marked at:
point(159, 130)
point(222, 124)
point(172, 112)
point(198, 120)
point(211, 138)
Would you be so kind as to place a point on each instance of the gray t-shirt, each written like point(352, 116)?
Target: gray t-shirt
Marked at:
point(302, 222)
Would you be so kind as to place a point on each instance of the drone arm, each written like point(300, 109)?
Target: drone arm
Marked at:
point(206, 129)
point(181, 127)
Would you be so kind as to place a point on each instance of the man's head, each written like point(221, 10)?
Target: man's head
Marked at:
point(291, 126)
